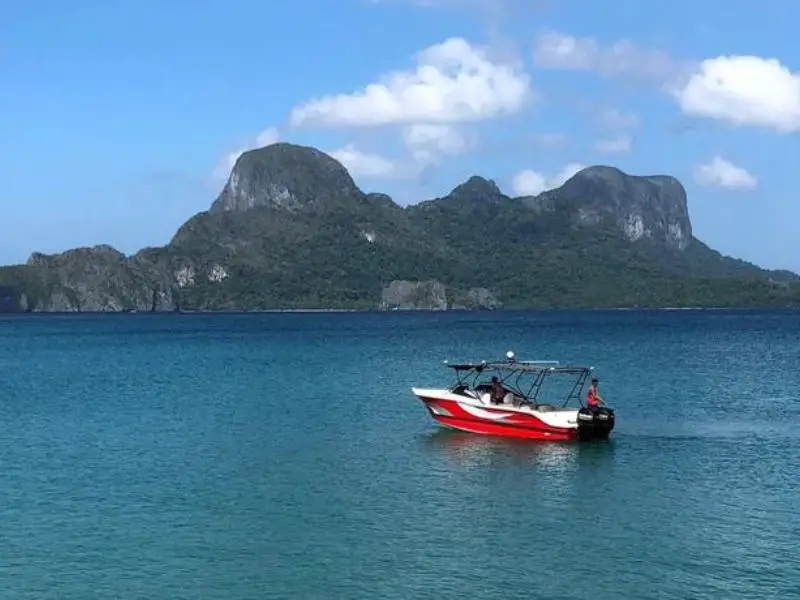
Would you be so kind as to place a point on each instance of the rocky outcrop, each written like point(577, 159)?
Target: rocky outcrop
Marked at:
point(476, 187)
point(473, 298)
point(414, 295)
point(91, 279)
point(290, 229)
point(652, 207)
point(285, 176)
point(433, 295)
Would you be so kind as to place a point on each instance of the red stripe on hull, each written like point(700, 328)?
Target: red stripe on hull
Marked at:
point(515, 425)
point(486, 428)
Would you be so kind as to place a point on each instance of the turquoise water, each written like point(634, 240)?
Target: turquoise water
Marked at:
point(283, 456)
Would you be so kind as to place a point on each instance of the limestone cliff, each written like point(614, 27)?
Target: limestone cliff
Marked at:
point(290, 229)
point(433, 295)
point(93, 279)
point(284, 176)
point(414, 295)
point(652, 207)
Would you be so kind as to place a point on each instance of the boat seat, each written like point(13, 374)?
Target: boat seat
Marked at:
point(486, 398)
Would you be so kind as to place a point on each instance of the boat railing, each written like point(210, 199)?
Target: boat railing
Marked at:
point(517, 370)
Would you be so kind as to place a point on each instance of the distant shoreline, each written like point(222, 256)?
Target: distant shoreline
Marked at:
point(406, 311)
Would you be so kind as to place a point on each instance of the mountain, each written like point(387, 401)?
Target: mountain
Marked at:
point(291, 229)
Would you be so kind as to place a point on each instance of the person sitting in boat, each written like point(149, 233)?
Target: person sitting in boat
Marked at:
point(498, 393)
point(593, 399)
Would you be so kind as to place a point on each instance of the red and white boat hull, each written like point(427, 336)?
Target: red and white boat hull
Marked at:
point(540, 422)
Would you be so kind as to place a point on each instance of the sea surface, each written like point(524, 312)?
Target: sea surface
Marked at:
point(283, 455)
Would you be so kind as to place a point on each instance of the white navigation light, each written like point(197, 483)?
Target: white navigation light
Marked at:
point(510, 355)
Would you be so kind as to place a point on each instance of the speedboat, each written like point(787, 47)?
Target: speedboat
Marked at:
point(470, 405)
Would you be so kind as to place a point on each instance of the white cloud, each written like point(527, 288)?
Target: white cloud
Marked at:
point(614, 119)
point(556, 50)
point(532, 183)
point(744, 90)
point(454, 82)
point(565, 173)
point(737, 89)
point(226, 164)
point(619, 125)
point(617, 145)
point(721, 173)
point(371, 166)
point(266, 138)
point(528, 183)
point(427, 142)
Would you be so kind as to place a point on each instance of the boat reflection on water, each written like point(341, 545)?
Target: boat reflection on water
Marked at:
point(472, 451)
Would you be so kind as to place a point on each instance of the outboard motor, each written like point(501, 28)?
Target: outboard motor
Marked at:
point(595, 423)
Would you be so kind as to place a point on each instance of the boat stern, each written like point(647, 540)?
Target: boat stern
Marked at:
point(595, 423)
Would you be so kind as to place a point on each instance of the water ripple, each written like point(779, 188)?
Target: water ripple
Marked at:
point(283, 456)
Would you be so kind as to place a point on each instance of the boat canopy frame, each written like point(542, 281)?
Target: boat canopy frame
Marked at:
point(468, 374)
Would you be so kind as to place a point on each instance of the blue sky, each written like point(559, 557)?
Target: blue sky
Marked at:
point(119, 119)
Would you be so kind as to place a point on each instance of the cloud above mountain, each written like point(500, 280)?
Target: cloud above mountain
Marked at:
point(440, 103)
point(721, 173)
point(453, 82)
point(741, 89)
point(415, 96)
